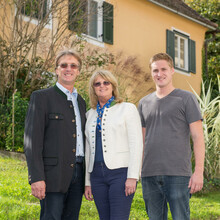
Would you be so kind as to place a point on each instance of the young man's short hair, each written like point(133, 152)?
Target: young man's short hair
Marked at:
point(162, 56)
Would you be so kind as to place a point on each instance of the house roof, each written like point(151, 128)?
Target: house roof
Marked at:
point(179, 7)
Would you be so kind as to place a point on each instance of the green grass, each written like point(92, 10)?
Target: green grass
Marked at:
point(17, 203)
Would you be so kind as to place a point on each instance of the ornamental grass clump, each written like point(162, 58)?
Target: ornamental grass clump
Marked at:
point(211, 125)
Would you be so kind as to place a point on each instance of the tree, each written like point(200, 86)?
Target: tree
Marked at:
point(31, 33)
point(210, 9)
point(28, 42)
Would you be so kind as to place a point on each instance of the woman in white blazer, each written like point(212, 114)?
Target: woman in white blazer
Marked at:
point(114, 148)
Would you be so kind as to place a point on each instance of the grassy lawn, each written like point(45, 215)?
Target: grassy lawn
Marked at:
point(17, 203)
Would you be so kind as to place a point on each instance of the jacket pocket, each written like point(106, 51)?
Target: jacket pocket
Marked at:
point(50, 162)
point(56, 116)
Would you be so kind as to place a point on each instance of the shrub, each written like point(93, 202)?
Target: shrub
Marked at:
point(211, 126)
point(14, 142)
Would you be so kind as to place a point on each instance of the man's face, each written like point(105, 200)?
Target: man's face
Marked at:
point(67, 70)
point(162, 73)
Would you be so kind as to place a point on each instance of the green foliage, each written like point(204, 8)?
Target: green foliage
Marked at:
point(20, 108)
point(16, 202)
point(34, 8)
point(211, 126)
point(210, 9)
point(211, 185)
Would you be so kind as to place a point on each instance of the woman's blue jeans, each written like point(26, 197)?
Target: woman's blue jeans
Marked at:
point(108, 189)
point(160, 190)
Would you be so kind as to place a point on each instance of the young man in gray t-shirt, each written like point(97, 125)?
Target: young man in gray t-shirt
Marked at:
point(168, 118)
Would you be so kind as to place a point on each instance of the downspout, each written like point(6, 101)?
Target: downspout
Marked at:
point(207, 41)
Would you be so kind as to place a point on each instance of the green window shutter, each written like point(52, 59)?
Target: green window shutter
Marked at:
point(107, 23)
point(77, 15)
point(44, 8)
point(192, 56)
point(35, 9)
point(170, 49)
point(71, 15)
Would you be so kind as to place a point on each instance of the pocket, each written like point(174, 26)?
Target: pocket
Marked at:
point(56, 116)
point(50, 162)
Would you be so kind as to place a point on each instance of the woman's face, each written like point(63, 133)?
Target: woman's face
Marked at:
point(103, 88)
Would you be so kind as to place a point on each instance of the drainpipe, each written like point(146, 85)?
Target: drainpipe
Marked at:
point(207, 41)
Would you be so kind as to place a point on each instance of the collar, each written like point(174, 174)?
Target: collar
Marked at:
point(66, 91)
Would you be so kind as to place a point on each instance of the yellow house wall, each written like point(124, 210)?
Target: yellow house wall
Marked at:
point(143, 33)
point(140, 31)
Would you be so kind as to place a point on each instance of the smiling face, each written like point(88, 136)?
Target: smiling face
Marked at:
point(162, 73)
point(103, 92)
point(67, 74)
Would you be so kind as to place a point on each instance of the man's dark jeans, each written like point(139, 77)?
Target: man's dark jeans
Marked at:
point(65, 206)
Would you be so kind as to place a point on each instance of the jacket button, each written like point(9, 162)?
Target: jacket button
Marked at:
point(71, 106)
point(72, 165)
point(73, 120)
point(56, 117)
point(74, 135)
point(74, 150)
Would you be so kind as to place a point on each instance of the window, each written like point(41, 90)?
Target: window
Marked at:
point(182, 49)
point(35, 9)
point(96, 18)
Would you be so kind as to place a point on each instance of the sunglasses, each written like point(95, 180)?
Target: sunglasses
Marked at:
point(105, 83)
point(72, 66)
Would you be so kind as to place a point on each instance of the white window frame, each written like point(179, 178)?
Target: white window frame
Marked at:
point(179, 50)
point(35, 20)
point(185, 36)
point(99, 40)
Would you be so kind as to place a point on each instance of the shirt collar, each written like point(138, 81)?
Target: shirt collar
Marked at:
point(66, 91)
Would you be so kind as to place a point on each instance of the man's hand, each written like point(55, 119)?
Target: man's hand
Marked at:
point(88, 193)
point(38, 189)
point(196, 182)
point(130, 186)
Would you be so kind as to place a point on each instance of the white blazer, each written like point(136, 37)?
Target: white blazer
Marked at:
point(122, 141)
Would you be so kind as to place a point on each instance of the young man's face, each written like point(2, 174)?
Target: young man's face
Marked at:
point(67, 70)
point(162, 73)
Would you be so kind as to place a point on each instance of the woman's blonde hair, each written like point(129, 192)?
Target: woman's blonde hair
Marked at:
point(108, 76)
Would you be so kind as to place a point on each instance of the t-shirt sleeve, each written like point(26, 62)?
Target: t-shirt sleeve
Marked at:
point(141, 114)
point(193, 112)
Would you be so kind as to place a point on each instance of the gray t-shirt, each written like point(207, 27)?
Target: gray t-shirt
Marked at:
point(167, 148)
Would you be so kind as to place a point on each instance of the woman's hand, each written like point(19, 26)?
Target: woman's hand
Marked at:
point(88, 193)
point(130, 186)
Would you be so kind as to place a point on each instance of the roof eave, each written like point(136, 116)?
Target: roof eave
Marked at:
point(183, 15)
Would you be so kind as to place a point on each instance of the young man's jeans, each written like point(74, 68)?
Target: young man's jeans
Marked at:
point(160, 190)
